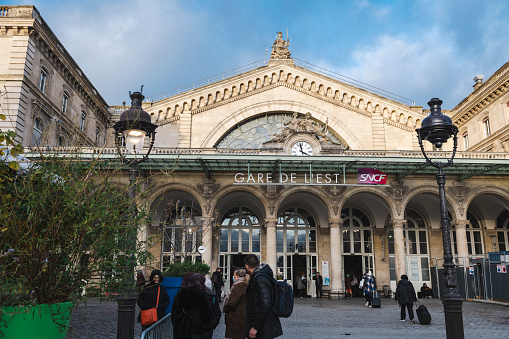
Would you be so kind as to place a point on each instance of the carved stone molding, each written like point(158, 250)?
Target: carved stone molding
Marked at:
point(271, 191)
point(491, 232)
point(459, 190)
point(397, 190)
point(435, 232)
point(336, 190)
point(208, 188)
point(379, 231)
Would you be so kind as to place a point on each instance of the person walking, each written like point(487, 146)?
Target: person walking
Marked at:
point(318, 284)
point(217, 280)
point(193, 314)
point(369, 287)
point(348, 286)
point(355, 286)
point(147, 298)
point(234, 306)
point(405, 296)
point(261, 322)
point(301, 286)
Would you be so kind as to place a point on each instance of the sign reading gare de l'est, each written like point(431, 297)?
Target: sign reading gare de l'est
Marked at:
point(365, 176)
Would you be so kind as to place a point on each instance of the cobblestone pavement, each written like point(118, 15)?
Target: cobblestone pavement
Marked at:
point(322, 318)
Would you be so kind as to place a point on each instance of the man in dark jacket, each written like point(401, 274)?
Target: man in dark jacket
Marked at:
point(405, 296)
point(217, 280)
point(261, 321)
point(318, 284)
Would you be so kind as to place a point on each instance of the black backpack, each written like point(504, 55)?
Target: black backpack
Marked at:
point(282, 304)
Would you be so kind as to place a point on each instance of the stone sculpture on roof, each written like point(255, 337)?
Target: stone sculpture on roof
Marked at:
point(299, 125)
point(280, 48)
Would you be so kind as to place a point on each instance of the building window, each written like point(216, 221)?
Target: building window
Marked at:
point(240, 231)
point(43, 80)
point(357, 233)
point(61, 141)
point(465, 141)
point(83, 119)
point(36, 132)
point(97, 134)
point(503, 231)
point(65, 101)
point(486, 125)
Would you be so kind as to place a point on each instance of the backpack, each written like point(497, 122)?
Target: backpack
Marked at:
point(282, 303)
point(214, 278)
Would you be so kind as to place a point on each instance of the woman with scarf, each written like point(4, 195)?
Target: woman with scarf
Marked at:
point(147, 298)
point(234, 306)
point(368, 287)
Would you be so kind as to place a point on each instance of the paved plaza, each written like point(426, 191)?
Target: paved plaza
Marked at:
point(323, 318)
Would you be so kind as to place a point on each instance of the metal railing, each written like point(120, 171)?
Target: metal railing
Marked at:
point(163, 329)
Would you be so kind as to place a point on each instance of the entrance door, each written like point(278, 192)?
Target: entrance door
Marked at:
point(353, 266)
point(225, 265)
point(311, 264)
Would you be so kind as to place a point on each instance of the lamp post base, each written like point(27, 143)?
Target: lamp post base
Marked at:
point(126, 315)
point(453, 315)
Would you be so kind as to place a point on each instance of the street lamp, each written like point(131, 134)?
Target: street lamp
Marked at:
point(437, 129)
point(133, 126)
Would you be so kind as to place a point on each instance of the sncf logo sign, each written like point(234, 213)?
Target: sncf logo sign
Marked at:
point(371, 176)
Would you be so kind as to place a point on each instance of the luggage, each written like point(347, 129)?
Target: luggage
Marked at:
point(376, 302)
point(283, 297)
point(423, 314)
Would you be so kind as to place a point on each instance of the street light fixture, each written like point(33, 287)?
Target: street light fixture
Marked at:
point(437, 128)
point(133, 126)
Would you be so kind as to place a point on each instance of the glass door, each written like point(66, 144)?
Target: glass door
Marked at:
point(367, 264)
point(311, 268)
point(224, 265)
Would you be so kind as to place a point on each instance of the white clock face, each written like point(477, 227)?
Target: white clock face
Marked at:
point(302, 148)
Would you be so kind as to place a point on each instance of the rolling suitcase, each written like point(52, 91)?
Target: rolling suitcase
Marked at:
point(423, 314)
point(376, 302)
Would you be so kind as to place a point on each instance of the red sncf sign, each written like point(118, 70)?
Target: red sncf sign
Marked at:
point(371, 176)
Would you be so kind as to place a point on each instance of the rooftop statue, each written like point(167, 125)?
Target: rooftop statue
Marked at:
point(280, 47)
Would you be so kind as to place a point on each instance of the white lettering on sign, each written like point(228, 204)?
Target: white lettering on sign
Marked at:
point(373, 177)
point(293, 178)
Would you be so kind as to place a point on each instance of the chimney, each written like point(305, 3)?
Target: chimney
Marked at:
point(478, 81)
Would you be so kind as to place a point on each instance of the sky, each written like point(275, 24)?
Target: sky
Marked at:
point(416, 49)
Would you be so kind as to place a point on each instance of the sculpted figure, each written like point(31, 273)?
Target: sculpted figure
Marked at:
point(280, 48)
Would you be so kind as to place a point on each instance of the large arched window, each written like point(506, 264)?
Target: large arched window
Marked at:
point(474, 236)
point(296, 232)
point(182, 233)
point(240, 231)
point(503, 231)
point(357, 232)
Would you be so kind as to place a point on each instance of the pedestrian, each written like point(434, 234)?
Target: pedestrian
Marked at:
point(301, 284)
point(140, 280)
point(355, 285)
point(261, 322)
point(318, 284)
point(147, 298)
point(405, 296)
point(369, 287)
point(217, 280)
point(234, 306)
point(426, 291)
point(348, 285)
point(193, 313)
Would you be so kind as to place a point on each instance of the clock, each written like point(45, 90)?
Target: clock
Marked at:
point(302, 148)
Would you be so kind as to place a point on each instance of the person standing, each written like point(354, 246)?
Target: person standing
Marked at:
point(355, 286)
point(217, 280)
point(234, 306)
point(147, 298)
point(318, 284)
point(369, 287)
point(348, 286)
point(261, 322)
point(301, 285)
point(405, 296)
point(193, 314)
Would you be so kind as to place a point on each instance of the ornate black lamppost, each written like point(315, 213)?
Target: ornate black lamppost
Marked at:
point(133, 126)
point(437, 129)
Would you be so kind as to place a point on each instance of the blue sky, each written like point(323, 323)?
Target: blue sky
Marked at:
point(416, 49)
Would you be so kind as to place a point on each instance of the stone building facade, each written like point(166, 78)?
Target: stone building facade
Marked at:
point(45, 96)
point(268, 161)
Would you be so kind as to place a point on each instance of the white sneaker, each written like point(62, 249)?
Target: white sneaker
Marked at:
point(402, 320)
point(367, 303)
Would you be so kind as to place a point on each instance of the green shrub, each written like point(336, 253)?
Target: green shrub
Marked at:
point(180, 269)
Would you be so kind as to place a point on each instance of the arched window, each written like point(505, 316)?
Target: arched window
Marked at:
point(65, 101)
point(503, 231)
point(486, 127)
point(182, 233)
point(83, 120)
point(296, 232)
point(97, 135)
point(474, 236)
point(61, 141)
point(43, 80)
point(465, 140)
point(36, 132)
point(240, 231)
point(357, 233)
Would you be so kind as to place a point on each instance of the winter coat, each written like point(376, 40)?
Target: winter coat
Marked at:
point(405, 293)
point(318, 281)
point(369, 284)
point(259, 297)
point(147, 298)
point(192, 314)
point(234, 308)
point(219, 279)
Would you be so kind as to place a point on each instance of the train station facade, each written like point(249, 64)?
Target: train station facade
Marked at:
point(286, 160)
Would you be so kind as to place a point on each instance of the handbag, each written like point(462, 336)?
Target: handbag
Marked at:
point(361, 284)
point(149, 317)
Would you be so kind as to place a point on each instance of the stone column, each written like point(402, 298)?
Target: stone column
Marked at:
point(271, 259)
point(399, 247)
point(336, 276)
point(207, 228)
point(461, 241)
